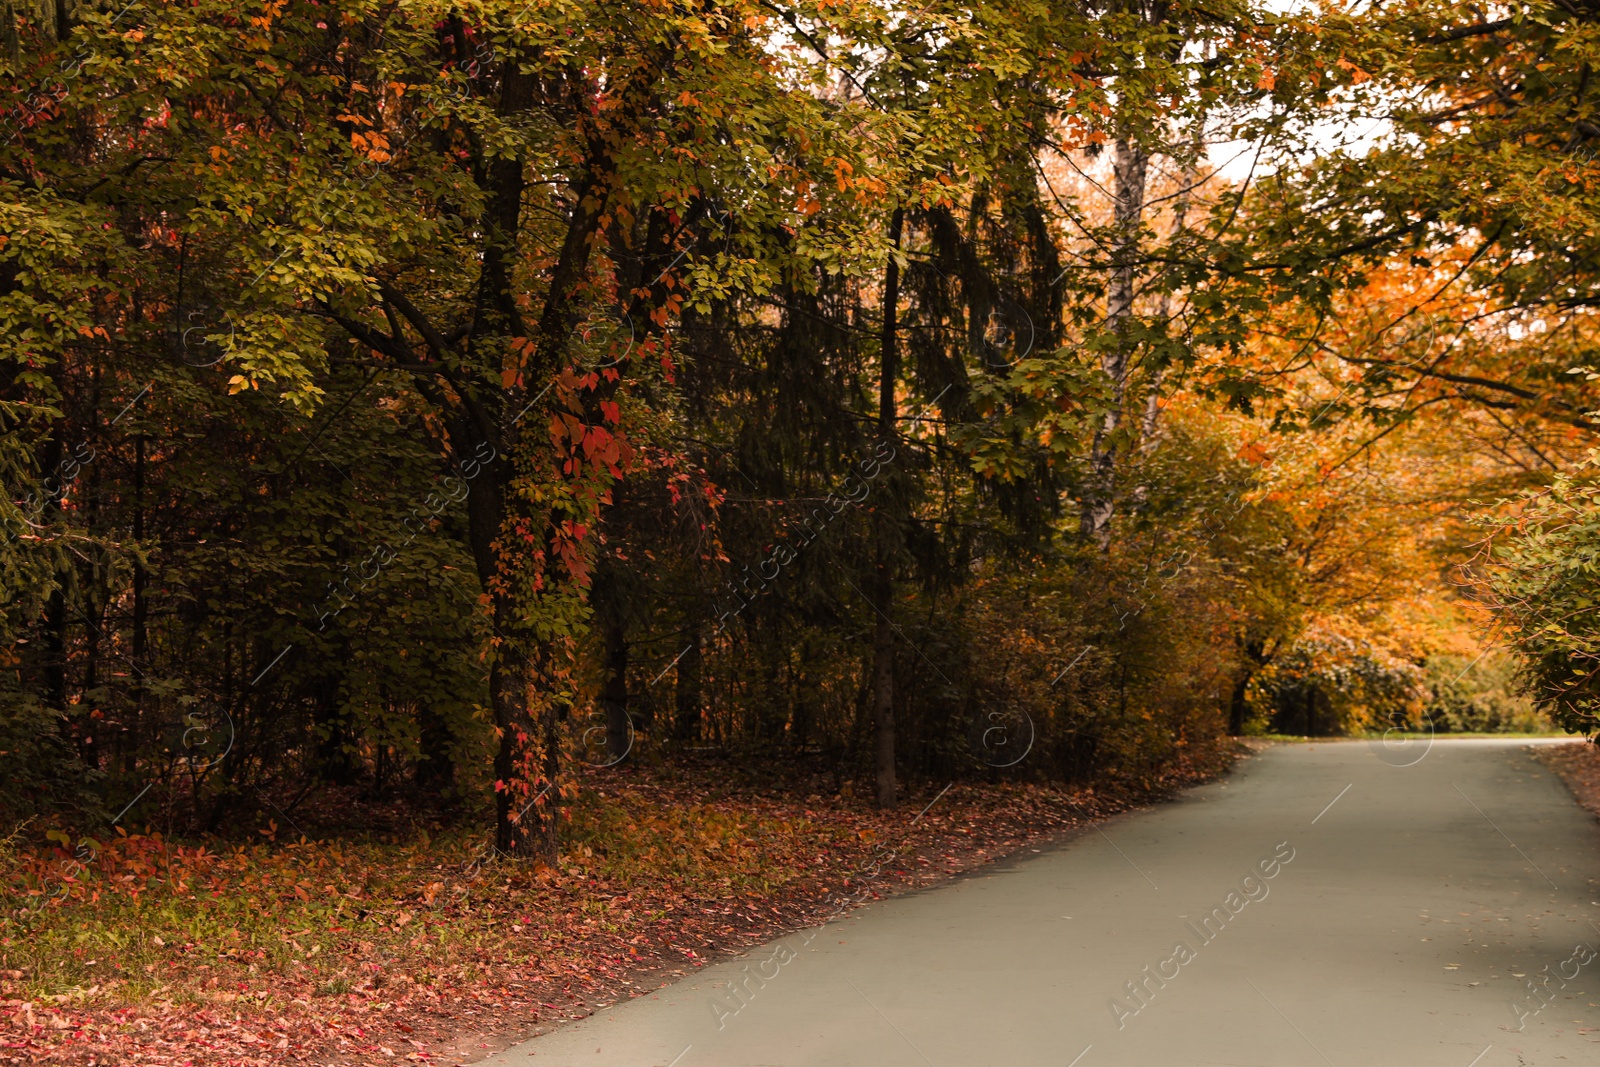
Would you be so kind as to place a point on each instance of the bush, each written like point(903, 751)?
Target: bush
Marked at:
point(1541, 569)
point(1329, 683)
point(1479, 696)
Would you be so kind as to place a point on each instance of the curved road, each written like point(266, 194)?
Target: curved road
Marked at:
point(1330, 905)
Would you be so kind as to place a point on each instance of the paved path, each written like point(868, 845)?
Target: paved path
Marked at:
point(1407, 909)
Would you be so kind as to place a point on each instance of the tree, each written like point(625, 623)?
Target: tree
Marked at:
point(454, 193)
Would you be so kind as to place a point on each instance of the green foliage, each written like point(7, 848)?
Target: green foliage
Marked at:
point(39, 764)
point(1479, 695)
point(1542, 568)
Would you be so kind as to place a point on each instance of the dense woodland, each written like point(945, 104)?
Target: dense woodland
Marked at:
point(418, 401)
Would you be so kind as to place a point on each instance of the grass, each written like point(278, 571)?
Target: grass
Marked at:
point(1373, 735)
point(1416, 735)
point(145, 917)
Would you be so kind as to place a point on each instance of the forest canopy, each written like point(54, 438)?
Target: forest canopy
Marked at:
point(423, 400)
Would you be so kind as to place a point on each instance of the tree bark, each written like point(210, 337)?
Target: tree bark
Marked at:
point(883, 589)
point(686, 713)
point(141, 647)
point(1129, 165)
point(614, 694)
point(1150, 424)
point(1236, 707)
point(1256, 657)
point(508, 692)
point(520, 823)
point(56, 607)
point(1164, 307)
point(436, 770)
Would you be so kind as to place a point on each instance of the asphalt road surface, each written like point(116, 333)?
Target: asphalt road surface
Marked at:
point(1335, 904)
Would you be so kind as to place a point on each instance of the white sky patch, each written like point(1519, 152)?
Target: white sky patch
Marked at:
point(1345, 126)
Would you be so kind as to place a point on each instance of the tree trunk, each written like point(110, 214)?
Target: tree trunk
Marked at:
point(134, 731)
point(514, 813)
point(94, 621)
point(802, 700)
point(883, 704)
point(333, 759)
point(1129, 165)
point(1236, 707)
point(9, 41)
point(525, 810)
point(436, 769)
point(524, 820)
point(56, 607)
point(686, 713)
point(883, 588)
point(614, 694)
point(1150, 424)
point(547, 838)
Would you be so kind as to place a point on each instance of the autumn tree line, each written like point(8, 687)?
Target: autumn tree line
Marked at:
point(426, 400)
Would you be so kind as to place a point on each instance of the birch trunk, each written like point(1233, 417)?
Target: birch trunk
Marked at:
point(1129, 164)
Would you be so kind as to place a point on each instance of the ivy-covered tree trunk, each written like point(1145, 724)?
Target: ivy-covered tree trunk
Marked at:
point(508, 691)
point(509, 674)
